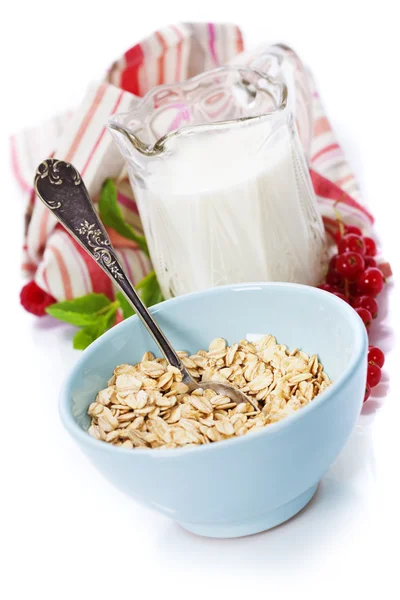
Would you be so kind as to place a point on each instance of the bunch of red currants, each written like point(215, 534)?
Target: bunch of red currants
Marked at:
point(354, 277)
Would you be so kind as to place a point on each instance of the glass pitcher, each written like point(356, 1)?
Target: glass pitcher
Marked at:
point(221, 182)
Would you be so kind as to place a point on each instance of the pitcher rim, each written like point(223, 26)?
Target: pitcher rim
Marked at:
point(158, 146)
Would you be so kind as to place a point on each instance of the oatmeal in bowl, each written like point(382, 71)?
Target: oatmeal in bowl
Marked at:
point(147, 405)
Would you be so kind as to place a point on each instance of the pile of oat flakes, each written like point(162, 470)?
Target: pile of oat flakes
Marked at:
point(148, 406)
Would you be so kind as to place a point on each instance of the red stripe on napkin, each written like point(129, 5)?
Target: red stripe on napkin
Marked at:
point(325, 150)
point(327, 189)
point(321, 125)
point(128, 203)
point(211, 41)
point(28, 266)
point(114, 110)
point(178, 52)
point(64, 272)
point(239, 41)
point(130, 76)
point(160, 62)
point(85, 123)
point(43, 230)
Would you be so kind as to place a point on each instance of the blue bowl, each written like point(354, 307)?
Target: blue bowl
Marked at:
point(252, 483)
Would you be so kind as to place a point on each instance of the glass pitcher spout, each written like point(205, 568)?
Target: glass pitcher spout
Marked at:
point(214, 98)
point(137, 144)
point(221, 182)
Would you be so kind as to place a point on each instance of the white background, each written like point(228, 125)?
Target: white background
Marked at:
point(65, 533)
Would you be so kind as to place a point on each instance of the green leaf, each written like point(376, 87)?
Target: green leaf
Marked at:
point(111, 215)
point(149, 289)
point(81, 311)
point(126, 308)
point(84, 337)
point(147, 280)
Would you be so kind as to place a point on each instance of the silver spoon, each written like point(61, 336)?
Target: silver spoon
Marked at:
point(60, 187)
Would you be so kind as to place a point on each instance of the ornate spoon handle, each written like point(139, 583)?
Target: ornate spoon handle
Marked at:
point(60, 187)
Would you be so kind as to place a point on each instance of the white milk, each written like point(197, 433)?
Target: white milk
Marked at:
point(231, 213)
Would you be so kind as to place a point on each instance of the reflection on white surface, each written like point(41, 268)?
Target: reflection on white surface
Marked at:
point(343, 497)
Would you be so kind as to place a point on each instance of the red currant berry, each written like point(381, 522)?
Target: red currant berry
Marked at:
point(339, 234)
point(370, 282)
point(373, 375)
point(327, 288)
point(365, 316)
point(353, 229)
point(353, 290)
point(376, 356)
point(370, 246)
point(367, 392)
point(367, 302)
point(351, 242)
point(332, 263)
point(369, 262)
point(349, 265)
point(335, 279)
point(341, 296)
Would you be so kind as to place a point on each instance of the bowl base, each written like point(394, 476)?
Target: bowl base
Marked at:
point(239, 529)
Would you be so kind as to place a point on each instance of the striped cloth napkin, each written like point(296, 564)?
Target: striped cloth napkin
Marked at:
point(56, 265)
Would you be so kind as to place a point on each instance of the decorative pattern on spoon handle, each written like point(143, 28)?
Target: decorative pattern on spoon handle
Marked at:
point(60, 187)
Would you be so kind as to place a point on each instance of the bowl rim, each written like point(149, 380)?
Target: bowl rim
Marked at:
point(361, 345)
